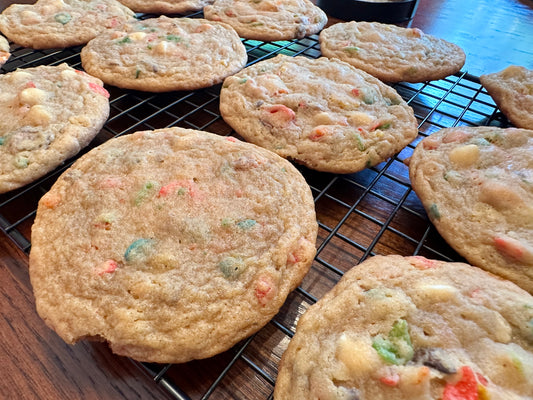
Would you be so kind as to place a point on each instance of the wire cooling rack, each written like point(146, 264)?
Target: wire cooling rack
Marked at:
point(371, 212)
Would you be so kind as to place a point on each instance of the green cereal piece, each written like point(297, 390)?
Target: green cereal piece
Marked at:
point(359, 141)
point(246, 224)
point(148, 188)
point(433, 211)
point(232, 267)
point(125, 39)
point(174, 38)
point(139, 249)
point(351, 49)
point(397, 349)
point(21, 162)
point(63, 18)
point(227, 222)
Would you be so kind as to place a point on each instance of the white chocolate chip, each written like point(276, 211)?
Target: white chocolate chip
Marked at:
point(80, 120)
point(161, 47)
point(32, 96)
point(464, 156)
point(499, 195)
point(357, 354)
point(19, 76)
point(437, 292)
point(358, 118)
point(68, 74)
point(37, 115)
point(323, 118)
point(137, 35)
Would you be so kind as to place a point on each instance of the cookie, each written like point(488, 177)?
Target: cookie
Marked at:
point(180, 244)
point(269, 20)
point(165, 6)
point(476, 184)
point(4, 50)
point(512, 91)
point(392, 53)
point(164, 54)
point(322, 113)
point(49, 114)
point(61, 23)
point(410, 328)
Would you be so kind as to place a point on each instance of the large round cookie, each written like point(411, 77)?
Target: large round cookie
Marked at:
point(61, 23)
point(48, 115)
point(164, 54)
point(4, 50)
point(512, 91)
point(392, 53)
point(269, 19)
point(171, 245)
point(165, 6)
point(476, 184)
point(322, 113)
point(409, 328)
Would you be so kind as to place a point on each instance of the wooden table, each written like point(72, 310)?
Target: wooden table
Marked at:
point(38, 365)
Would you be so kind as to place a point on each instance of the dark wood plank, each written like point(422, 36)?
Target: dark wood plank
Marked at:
point(37, 364)
point(493, 33)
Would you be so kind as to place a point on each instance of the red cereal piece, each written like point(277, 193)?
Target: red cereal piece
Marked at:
point(465, 389)
point(107, 267)
point(265, 289)
point(455, 136)
point(99, 89)
point(420, 262)
point(430, 143)
point(318, 133)
point(51, 200)
point(390, 380)
point(510, 247)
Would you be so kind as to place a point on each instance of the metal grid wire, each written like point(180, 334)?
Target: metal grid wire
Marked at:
point(371, 212)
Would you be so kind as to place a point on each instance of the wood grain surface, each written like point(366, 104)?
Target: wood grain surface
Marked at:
point(37, 364)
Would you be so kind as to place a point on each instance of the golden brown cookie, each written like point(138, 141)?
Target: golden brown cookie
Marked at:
point(49, 113)
point(322, 113)
point(61, 23)
point(512, 91)
point(476, 184)
point(392, 53)
point(174, 244)
point(269, 20)
point(165, 54)
point(410, 328)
